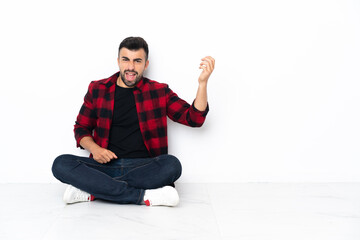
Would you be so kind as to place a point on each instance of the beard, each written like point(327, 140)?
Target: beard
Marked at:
point(130, 83)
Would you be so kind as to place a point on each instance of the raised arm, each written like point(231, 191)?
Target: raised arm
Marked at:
point(193, 115)
point(207, 65)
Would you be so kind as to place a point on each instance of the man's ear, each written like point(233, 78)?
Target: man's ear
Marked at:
point(146, 64)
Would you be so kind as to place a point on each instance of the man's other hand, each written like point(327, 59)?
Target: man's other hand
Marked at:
point(103, 155)
point(207, 65)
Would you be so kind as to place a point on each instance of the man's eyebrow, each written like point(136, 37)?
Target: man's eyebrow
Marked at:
point(136, 59)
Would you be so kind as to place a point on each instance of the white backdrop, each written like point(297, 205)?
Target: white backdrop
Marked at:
point(284, 97)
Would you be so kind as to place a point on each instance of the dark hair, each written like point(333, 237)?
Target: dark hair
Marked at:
point(135, 43)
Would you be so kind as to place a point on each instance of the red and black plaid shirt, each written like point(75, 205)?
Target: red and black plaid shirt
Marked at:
point(154, 101)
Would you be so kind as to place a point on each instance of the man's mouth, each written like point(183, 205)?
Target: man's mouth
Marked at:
point(130, 76)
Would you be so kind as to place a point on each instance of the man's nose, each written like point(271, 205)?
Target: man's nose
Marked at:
point(131, 66)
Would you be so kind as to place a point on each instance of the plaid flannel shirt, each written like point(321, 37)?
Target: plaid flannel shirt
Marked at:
point(154, 101)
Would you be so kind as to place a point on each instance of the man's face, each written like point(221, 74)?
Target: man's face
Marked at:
point(132, 65)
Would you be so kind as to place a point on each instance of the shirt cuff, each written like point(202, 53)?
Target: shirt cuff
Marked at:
point(203, 113)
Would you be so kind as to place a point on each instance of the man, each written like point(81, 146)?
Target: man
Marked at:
point(123, 124)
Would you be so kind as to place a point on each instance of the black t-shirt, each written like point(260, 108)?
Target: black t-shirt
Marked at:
point(125, 137)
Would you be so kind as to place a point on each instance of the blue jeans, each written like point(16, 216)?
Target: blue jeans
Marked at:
point(121, 180)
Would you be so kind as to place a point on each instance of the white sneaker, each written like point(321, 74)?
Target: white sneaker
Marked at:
point(74, 195)
point(165, 196)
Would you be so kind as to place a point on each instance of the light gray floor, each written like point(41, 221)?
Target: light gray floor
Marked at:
point(207, 211)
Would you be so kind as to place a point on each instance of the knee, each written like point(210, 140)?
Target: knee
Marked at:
point(61, 165)
point(174, 166)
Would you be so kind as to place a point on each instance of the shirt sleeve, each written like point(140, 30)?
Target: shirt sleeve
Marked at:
point(182, 112)
point(86, 119)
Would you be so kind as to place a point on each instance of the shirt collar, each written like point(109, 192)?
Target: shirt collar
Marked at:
point(140, 85)
point(111, 80)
